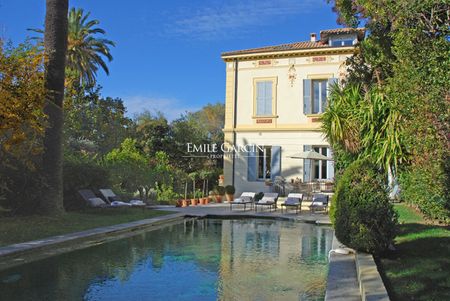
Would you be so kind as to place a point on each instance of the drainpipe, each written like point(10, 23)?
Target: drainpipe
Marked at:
point(235, 117)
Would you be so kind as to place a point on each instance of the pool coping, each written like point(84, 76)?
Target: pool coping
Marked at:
point(362, 280)
point(20, 253)
point(371, 285)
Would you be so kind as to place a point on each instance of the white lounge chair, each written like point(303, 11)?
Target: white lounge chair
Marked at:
point(269, 199)
point(319, 201)
point(244, 199)
point(115, 200)
point(293, 200)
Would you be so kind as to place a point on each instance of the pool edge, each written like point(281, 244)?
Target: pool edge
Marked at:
point(13, 255)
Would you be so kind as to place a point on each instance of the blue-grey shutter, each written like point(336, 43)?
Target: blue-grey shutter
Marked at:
point(307, 165)
point(330, 165)
point(268, 102)
point(251, 165)
point(260, 98)
point(331, 82)
point(275, 164)
point(306, 96)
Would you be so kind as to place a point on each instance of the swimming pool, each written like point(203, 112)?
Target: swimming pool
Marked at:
point(205, 259)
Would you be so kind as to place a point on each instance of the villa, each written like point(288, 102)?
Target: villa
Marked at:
point(274, 98)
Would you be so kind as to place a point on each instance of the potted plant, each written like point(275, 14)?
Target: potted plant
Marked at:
point(193, 177)
point(210, 195)
point(229, 192)
point(219, 193)
point(184, 202)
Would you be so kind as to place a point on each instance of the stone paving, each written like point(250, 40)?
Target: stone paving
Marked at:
point(223, 210)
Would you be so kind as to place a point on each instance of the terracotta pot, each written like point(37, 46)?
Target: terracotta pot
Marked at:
point(184, 203)
point(218, 198)
point(201, 201)
point(179, 203)
point(230, 197)
point(207, 201)
point(194, 202)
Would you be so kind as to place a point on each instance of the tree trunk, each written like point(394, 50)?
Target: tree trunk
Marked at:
point(55, 44)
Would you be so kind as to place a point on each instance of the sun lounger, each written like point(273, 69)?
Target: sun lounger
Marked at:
point(319, 201)
point(269, 199)
point(294, 200)
point(115, 200)
point(245, 199)
point(91, 199)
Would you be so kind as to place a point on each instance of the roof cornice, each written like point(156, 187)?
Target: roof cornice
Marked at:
point(289, 53)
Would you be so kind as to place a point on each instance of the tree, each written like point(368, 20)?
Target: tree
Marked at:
point(130, 169)
point(152, 132)
point(55, 45)
point(22, 126)
point(94, 124)
point(407, 57)
point(85, 51)
point(22, 99)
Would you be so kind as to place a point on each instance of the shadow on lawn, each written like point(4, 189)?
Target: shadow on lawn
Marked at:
point(419, 268)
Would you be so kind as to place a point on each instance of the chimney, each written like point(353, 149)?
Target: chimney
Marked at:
point(313, 37)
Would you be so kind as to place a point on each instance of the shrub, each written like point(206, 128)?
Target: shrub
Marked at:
point(229, 189)
point(220, 190)
point(425, 188)
point(20, 189)
point(362, 215)
point(82, 173)
point(166, 194)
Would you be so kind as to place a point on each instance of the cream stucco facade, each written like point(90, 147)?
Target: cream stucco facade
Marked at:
point(290, 78)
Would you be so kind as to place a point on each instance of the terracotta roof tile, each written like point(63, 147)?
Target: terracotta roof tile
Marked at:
point(323, 43)
point(282, 47)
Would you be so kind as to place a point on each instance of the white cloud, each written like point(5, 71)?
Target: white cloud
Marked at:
point(234, 17)
point(172, 108)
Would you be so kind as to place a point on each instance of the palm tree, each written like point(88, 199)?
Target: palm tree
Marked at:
point(85, 51)
point(55, 45)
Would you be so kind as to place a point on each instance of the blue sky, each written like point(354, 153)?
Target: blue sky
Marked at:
point(167, 54)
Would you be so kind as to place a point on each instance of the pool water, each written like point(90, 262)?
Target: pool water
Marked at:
point(207, 259)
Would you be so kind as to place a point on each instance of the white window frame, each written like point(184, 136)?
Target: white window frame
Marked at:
point(320, 109)
point(320, 176)
point(266, 149)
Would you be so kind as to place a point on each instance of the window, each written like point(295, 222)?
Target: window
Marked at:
point(315, 95)
point(320, 169)
point(346, 42)
point(264, 159)
point(263, 163)
point(319, 96)
point(264, 97)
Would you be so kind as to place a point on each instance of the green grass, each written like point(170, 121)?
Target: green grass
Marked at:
point(419, 269)
point(21, 229)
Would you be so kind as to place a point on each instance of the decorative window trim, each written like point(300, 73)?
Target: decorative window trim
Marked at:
point(320, 76)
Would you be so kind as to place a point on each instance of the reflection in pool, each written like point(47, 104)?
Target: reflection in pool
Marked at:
point(208, 259)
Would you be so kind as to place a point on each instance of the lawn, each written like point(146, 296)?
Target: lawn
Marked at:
point(21, 229)
point(419, 269)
